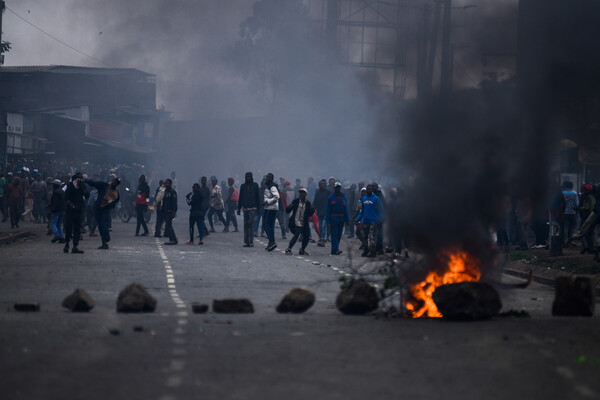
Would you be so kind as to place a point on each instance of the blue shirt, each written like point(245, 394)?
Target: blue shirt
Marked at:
point(571, 201)
point(337, 208)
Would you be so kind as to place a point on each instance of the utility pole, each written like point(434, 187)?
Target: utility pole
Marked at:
point(433, 46)
point(2, 7)
point(446, 77)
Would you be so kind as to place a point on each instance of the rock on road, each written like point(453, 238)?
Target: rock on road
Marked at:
point(322, 354)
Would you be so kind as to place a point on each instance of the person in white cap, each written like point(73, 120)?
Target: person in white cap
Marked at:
point(337, 216)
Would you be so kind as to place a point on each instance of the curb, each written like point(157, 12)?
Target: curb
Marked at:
point(539, 279)
point(4, 239)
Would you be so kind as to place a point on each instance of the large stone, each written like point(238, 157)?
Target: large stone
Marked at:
point(135, 298)
point(467, 301)
point(78, 301)
point(297, 300)
point(574, 297)
point(232, 306)
point(358, 298)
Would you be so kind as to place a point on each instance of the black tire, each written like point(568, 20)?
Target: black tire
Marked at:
point(125, 215)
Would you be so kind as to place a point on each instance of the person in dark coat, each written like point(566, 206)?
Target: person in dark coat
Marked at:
point(249, 202)
point(194, 200)
point(75, 203)
point(141, 205)
point(301, 210)
point(169, 209)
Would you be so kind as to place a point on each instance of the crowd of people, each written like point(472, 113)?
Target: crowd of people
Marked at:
point(72, 203)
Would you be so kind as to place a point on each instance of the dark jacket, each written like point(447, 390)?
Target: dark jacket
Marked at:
point(144, 188)
point(249, 196)
point(293, 208)
point(169, 203)
point(195, 201)
point(320, 201)
point(57, 202)
point(74, 197)
point(102, 187)
point(205, 192)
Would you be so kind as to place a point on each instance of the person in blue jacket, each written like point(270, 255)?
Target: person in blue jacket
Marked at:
point(337, 217)
point(371, 215)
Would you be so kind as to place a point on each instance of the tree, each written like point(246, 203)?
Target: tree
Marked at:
point(276, 46)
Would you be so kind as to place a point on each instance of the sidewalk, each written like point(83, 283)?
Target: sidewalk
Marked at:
point(546, 268)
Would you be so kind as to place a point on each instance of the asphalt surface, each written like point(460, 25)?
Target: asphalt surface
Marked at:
point(56, 354)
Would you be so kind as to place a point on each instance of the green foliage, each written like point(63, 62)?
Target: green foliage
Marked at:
point(591, 268)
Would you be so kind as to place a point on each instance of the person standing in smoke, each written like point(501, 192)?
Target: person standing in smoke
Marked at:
point(349, 191)
point(216, 205)
point(249, 203)
point(568, 220)
point(74, 198)
point(57, 211)
point(194, 200)
point(14, 194)
point(379, 193)
point(301, 210)
point(271, 205)
point(141, 205)
point(320, 204)
point(108, 197)
point(337, 217)
point(39, 190)
point(169, 210)
point(311, 188)
point(281, 216)
point(233, 196)
point(205, 192)
point(371, 213)
point(158, 196)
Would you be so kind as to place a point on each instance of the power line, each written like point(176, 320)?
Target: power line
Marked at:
point(60, 41)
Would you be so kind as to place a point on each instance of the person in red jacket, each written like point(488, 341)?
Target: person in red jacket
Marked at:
point(15, 201)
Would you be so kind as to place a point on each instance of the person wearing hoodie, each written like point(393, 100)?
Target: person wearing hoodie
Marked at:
point(169, 210)
point(233, 196)
point(141, 205)
point(337, 216)
point(57, 211)
point(194, 200)
point(216, 205)
point(249, 202)
point(75, 195)
point(271, 206)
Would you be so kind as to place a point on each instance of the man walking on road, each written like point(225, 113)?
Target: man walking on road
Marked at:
point(194, 200)
point(141, 205)
point(249, 202)
point(169, 210)
point(320, 204)
point(370, 215)
point(216, 205)
point(233, 196)
point(74, 198)
point(337, 217)
point(301, 210)
point(271, 205)
point(108, 197)
point(57, 211)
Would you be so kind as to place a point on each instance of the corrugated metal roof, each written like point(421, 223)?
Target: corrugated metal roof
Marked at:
point(68, 69)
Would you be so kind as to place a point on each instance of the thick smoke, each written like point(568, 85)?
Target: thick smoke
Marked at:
point(469, 149)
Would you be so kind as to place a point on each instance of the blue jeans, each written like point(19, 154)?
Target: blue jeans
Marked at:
point(199, 221)
point(337, 227)
point(322, 226)
point(270, 224)
point(56, 224)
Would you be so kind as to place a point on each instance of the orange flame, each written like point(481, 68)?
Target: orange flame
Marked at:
point(460, 267)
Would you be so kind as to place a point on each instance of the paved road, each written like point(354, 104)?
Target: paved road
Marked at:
point(55, 354)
